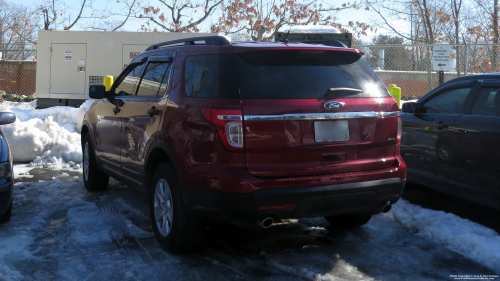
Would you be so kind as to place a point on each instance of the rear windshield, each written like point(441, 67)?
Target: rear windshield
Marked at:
point(306, 74)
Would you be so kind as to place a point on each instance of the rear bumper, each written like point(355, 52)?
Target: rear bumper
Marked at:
point(294, 202)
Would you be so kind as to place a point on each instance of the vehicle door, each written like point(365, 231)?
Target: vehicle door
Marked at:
point(427, 136)
point(142, 114)
point(109, 119)
point(476, 143)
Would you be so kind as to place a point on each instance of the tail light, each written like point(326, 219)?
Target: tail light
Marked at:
point(400, 129)
point(229, 123)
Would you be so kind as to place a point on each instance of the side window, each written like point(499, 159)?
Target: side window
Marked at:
point(487, 102)
point(128, 85)
point(202, 76)
point(448, 102)
point(211, 76)
point(155, 79)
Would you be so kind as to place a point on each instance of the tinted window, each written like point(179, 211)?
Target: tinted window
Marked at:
point(487, 102)
point(155, 79)
point(128, 84)
point(306, 74)
point(211, 76)
point(448, 102)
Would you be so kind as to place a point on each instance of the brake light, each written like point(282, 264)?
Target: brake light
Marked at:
point(229, 123)
point(400, 129)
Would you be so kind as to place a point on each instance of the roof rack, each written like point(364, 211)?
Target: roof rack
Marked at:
point(209, 40)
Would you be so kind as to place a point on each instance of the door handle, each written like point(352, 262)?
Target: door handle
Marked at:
point(116, 110)
point(153, 111)
point(442, 125)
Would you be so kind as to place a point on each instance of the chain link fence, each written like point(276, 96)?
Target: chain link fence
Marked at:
point(17, 79)
point(410, 67)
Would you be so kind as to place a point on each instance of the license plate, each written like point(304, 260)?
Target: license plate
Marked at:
point(327, 131)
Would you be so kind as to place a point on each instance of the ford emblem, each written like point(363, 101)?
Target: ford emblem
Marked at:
point(334, 105)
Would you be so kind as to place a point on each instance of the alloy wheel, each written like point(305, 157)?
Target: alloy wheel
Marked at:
point(163, 207)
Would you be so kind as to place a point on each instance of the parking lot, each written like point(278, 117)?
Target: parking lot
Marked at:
point(61, 231)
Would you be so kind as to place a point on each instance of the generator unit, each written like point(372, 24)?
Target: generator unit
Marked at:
point(68, 62)
point(314, 34)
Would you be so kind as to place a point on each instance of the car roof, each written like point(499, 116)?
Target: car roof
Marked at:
point(474, 77)
point(494, 75)
point(250, 46)
point(223, 42)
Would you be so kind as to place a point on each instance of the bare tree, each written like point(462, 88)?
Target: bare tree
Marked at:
point(428, 19)
point(12, 15)
point(456, 6)
point(488, 27)
point(179, 15)
point(262, 19)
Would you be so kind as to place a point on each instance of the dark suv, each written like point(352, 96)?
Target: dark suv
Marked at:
point(246, 133)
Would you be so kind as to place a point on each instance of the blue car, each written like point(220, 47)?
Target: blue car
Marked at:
point(451, 139)
point(6, 176)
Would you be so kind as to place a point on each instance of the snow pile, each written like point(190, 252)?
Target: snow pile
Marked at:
point(48, 138)
point(470, 239)
point(313, 29)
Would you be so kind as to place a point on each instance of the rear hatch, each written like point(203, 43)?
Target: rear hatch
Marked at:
point(312, 111)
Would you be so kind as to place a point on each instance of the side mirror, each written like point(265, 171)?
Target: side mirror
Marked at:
point(409, 107)
point(97, 92)
point(7, 118)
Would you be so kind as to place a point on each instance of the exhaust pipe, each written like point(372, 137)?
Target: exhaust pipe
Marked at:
point(387, 208)
point(267, 222)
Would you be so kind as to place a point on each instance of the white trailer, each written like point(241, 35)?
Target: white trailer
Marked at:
point(68, 62)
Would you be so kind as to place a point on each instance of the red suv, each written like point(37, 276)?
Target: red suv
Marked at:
point(246, 133)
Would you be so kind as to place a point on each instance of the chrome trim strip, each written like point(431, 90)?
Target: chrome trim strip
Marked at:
point(321, 116)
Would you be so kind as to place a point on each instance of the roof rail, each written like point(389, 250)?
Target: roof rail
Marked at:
point(209, 40)
point(335, 43)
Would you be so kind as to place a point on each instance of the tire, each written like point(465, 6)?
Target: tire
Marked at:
point(93, 178)
point(348, 221)
point(175, 230)
point(6, 216)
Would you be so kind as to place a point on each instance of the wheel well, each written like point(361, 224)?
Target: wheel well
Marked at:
point(157, 156)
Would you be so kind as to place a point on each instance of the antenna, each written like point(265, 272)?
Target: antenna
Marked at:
point(285, 40)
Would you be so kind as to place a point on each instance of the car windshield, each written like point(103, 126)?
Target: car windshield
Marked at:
point(306, 74)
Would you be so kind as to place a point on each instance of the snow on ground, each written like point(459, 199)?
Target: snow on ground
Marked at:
point(470, 239)
point(48, 137)
point(59, 231)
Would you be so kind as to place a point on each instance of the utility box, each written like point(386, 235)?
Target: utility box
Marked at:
point(68, 62)
point(314, 34)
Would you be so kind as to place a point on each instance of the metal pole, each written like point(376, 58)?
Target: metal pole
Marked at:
point(465, 59)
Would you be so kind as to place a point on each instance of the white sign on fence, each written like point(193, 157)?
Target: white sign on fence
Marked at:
point(441, 58)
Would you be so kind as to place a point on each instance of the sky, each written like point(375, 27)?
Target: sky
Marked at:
point(135, 24)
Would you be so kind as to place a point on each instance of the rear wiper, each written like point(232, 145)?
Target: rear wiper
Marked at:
point(353, 90)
